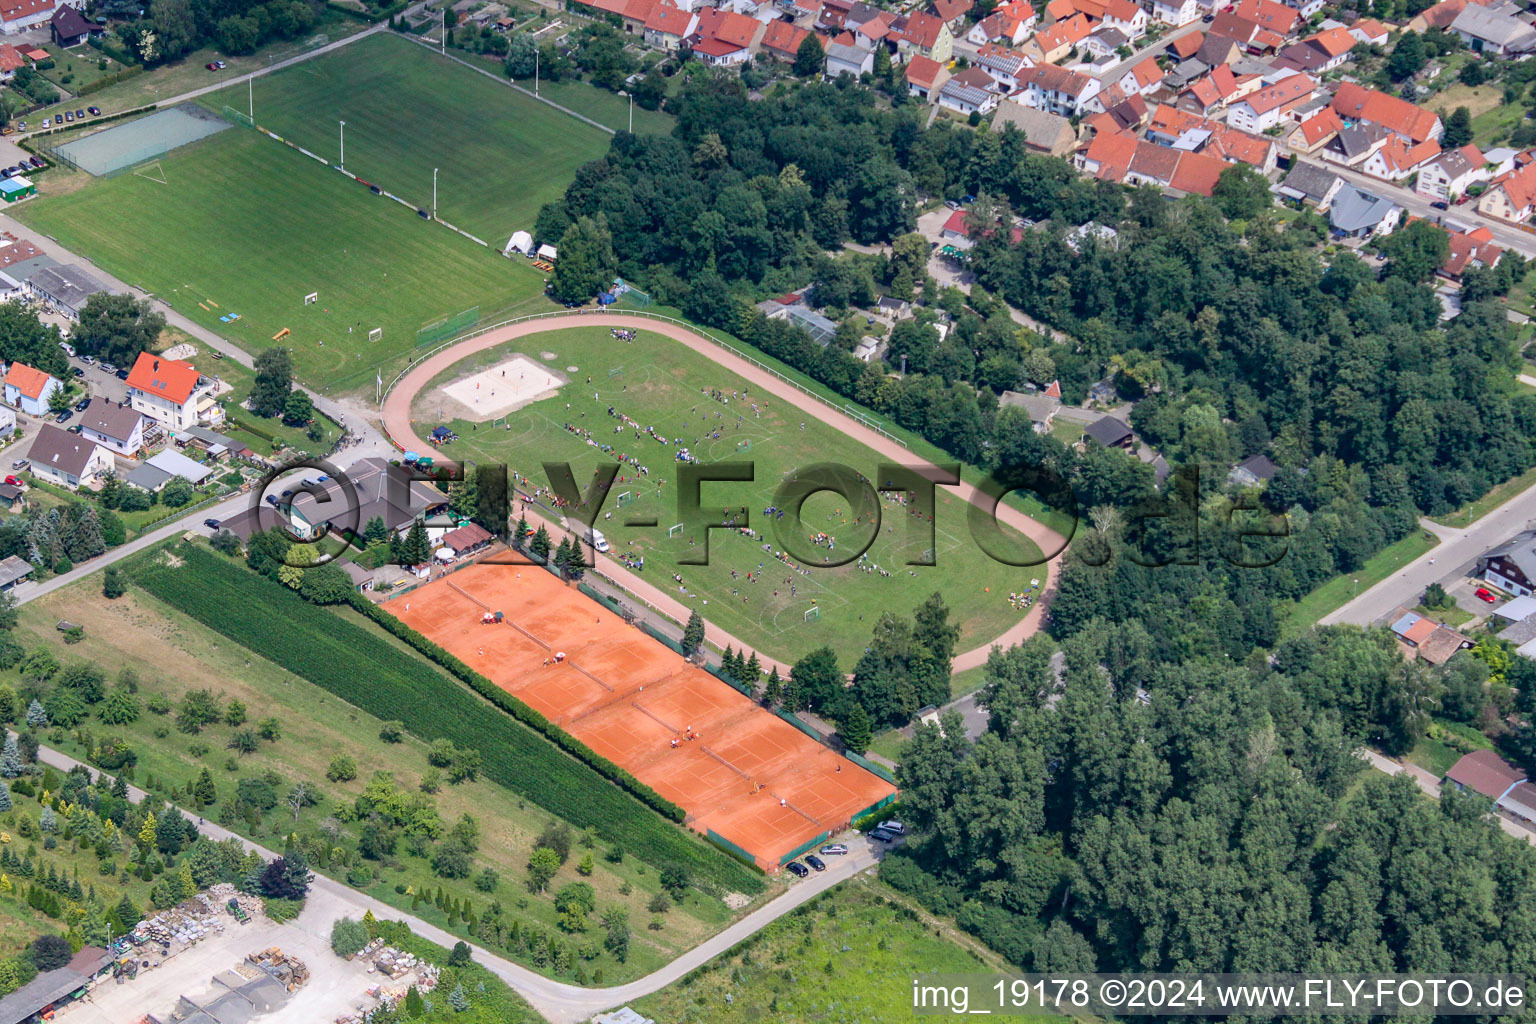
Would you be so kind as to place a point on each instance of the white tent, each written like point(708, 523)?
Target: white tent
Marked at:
point(547, 252)
point(521, 241)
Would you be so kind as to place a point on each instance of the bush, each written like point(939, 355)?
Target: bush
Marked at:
point(486, 880)
point(50, 952)
point(348, 936)
point(342, 769)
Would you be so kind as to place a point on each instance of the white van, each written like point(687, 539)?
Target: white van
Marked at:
point(69, 349)
point(599, 541)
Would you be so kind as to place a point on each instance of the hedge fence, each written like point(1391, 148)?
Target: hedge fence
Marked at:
point(367, 671)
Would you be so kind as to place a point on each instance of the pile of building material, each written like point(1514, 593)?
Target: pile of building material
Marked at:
point(181, 926)
point(381, 957)
point(289, 970)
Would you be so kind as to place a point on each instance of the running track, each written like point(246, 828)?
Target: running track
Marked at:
point(400, 429)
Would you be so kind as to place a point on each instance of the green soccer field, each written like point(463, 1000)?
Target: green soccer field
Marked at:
point(241, 224)
point(500, 155)
point(664, 385)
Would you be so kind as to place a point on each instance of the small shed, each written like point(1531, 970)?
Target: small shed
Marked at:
point(12, 189)
point(13, 570)
point(548, 252)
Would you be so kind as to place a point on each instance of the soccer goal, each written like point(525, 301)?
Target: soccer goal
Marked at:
point(675, 531)
point(813, 614)
point(376, 334)
point(623, 499)
point(311, 298)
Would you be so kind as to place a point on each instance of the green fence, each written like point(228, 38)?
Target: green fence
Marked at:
point(448, 327)
point(657, 635)
point(602, 599)
point(792, 720)
point(729, 847)
point(870, 766)
point(877, 805)
point(803, 847)
point(728, 680)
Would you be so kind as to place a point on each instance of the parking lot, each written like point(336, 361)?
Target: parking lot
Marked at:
point(336, 987)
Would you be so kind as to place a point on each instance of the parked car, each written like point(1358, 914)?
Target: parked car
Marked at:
point(216, 65)
point(36, 161)
point(816, 863)
point(88, 360)
point(65, 416)
point(14, 481)
point(108, 367)
point(47, 122)
point(80, 114)
point(882, 835)
point(894, 827)
point(951, 204)
point(797, 869)
point(121, 375)
point(834, 850)
point(1440, 204)
point(77, 371)
point(212, 524)
point(80, 405)
point(1484, 594)
point(21, 464)
point(94, 111)
point(68, 116)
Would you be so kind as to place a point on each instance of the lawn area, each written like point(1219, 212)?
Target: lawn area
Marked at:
point(888, 744)
point(171, 653)
point(81, 65)
point(1494, 124)
point(1476, 509)
point(1444, 744)
point(1477, 99)
point(1303, 614)
point(599, 104)
point(1454, 616)
point(180, 76)
point(500, 155)
point(209, 242)
point(661, 387)
point(850, 954)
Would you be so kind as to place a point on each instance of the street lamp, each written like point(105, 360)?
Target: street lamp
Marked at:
point(343, 145)
point(1357, 587)
point(434, 193)
point(535, 70)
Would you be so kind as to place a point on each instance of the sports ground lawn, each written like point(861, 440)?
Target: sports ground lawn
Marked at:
point(665, 382)
point(238, 223)
point(500, 155)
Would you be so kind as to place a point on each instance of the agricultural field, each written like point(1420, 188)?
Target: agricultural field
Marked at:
point(500, 155)
point(849, 955)
point(169, 654)
point(191, 228)
point(664, 385)
point(358, 663)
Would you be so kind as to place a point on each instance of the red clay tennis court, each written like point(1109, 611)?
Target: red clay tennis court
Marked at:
point(738, 771)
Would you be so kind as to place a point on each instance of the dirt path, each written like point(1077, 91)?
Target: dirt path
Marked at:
point(401, 429)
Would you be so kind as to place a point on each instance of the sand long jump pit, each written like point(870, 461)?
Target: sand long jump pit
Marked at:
point(736, 769)
point(498, 390)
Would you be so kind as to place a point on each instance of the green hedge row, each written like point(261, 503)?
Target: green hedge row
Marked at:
point(112, 79)
point(366, 670)
point(518, 709)
point(114, 51)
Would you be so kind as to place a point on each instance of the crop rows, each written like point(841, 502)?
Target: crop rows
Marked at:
point(363, 669)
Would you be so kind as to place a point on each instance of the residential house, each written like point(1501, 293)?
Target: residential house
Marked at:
point(1129, 114)
point(1356, 213)
point(636, 13)
point(922, 35)
point(847, 57)
point(668, 27)
point(7, 421)
point(782, 40)
point(391, 493)
point(1354, 144)
point(1040, 407)
point(1511, 196)
point(1472, 248)
point(1254, 471)
point(1108, 156)
point(1045, 133)
point(1129, 17)
point(14, 568)
point(876, 31)
point(1208, 95)
point(120, 427)
point(1262, 110)
point(1369, 31)
point(1318, 54)
point(925, 77)
point(1409, 122)
point(971, 90)
point(1186, 45)
point(11, 61)
point(1143, 78)
point(954, 230)
point(951, 12)
point(1425, 638)
point(1110, 432)
point(724, 38)
point(1494, 30)
point(19, 15)
point(1054, 43)
point(1175, 12)
point(1448, 175)
point(1314, 132)
point(1004, 65)
point(1196, 174)
point(1057, 90)
point(1104, 44)
point(158, 470)
point(1269, 15)
point(29, 389)
point(1512, 566)
point(69, 460)
point(1310, 184)
point(1486, 773)
point(1217, 49)
point(1397, 160)
point(1009, 24)
point(1440, 15)
point(168, 391)
point(65, 288)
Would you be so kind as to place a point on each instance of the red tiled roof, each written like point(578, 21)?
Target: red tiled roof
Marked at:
point(11, 58)
point(1113, 152)
point(640, 10)
point(1369, 27)
point(170, 379)
point(1147, 73)
point(1285, 93)
point(28, 381)
point(1154, 161)
point(1121, 10)
point(1335, 42)
point(669, 20)
point(784, 37)
point(1398, 115)
point(1185, 46)
point(1485, 772)
point(1320, 126)
point(1064, 33)
point(1268, 14)
point(919, 29)
point(1197, 173)
point(13, 10)
point(921, 71)
point(733, 30)
point(1519, 185)
point(1238, 146)
point(949, 10)
point(1055, 77)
